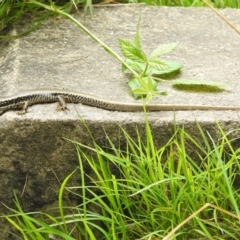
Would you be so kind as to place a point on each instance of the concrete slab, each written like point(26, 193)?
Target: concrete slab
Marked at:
point(59, 55)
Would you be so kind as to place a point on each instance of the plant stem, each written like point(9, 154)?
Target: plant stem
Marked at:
point(145, 70)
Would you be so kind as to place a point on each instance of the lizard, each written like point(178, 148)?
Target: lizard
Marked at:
point(23, 100)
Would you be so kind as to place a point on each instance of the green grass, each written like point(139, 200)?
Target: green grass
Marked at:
point(12, 11)
point(192, 3)
point(147, 192)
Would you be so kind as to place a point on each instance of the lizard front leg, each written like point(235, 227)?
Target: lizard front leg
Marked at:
point(62, 104)
point(24, 106)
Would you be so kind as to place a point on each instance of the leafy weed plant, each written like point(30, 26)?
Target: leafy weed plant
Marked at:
point(150, 69)
point(147, 192)
point(146, 67)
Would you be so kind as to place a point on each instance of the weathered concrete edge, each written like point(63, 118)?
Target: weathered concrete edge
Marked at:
point(35, 152)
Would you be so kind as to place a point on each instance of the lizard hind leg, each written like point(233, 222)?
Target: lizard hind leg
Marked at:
point(24, 106)
point(62, 104)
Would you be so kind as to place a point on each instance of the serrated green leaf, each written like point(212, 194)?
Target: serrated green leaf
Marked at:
point(140, 67)
point(148, 83)
point(173, 67)
point(142, 87)
point(163, 49)
point(197, 82)
point(125, 43)
point(137, 67)
point(134, 85)
point(131, 52)
point(198, 85)
point(134, 54)
point(158, 64)
point(137, 39)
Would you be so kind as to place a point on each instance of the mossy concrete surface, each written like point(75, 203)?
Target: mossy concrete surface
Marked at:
point(34, 148)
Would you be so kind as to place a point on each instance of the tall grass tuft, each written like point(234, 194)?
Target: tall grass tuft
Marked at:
point(36, 12)
point(147, 192)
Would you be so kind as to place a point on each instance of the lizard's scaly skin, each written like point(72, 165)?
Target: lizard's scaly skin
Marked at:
point(22, 101)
